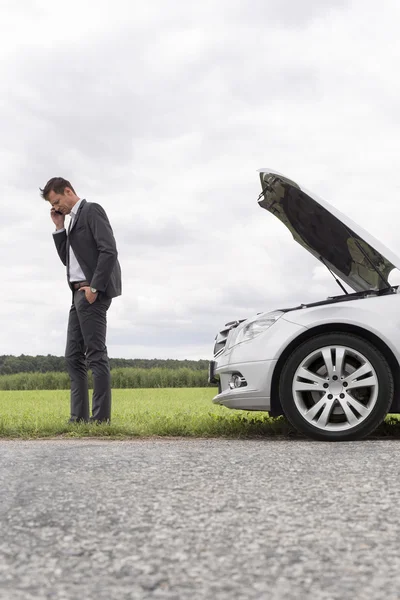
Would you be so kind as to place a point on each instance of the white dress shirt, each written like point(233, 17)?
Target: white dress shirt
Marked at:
point(75, 271)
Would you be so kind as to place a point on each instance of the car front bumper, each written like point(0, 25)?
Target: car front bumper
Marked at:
point(258, 376)
point(253, 362)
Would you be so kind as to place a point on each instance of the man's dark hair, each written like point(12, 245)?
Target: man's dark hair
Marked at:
point(56, 185)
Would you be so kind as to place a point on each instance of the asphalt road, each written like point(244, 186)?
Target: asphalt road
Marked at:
point(216, 519)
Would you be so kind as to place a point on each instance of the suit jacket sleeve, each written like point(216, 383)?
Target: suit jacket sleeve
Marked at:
point(104, 238)
point(60, 240)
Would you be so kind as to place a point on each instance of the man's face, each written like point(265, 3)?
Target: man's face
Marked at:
point(62, 202)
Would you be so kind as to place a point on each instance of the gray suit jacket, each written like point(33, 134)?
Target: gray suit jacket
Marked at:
point(93, 243)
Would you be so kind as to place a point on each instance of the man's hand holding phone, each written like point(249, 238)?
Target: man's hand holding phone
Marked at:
point(58, 218)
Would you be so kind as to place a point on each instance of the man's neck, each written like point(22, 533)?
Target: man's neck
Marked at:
point(75, 203)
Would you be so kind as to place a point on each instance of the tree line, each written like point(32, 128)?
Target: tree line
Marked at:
point(129, 377)
point(10, 365)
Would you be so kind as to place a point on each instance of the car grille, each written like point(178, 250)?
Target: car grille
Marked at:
point(222, 336)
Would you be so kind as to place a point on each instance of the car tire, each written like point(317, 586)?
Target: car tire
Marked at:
point(336, 387)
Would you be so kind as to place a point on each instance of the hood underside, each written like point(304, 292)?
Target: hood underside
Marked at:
point(351, 253)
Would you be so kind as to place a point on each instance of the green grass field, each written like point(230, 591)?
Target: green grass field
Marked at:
point(142, 413)
point(135, 413)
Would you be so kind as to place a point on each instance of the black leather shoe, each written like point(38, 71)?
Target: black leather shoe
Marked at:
point(77, 420)
point(99, 421)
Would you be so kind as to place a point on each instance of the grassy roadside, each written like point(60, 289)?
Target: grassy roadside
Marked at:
point(186, 412)
point(135, 413)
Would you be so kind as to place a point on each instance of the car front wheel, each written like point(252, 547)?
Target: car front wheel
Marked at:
point(336, 387)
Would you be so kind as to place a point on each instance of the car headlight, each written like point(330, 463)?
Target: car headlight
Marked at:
point(257, 326)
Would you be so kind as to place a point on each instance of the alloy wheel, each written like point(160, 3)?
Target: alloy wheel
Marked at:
point(335, 388)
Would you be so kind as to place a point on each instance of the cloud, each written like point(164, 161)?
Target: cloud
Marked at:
point(162, 113)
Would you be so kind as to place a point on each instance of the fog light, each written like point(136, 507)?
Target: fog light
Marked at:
point(237, 381)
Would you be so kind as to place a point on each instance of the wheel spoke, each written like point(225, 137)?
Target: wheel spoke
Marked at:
point(316, 382)
point(360, 408)
point(340, 352)
point(300, 386)
point(326, 413)
point(327, 356)
point(350, 416)
point(306, 374)
point(368, 382)
point(324, 416)
point(310, 414)
point(363, 370)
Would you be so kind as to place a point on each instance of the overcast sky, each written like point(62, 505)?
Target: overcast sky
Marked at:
point(162, 112)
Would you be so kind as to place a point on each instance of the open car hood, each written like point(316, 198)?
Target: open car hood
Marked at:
point(351, 253)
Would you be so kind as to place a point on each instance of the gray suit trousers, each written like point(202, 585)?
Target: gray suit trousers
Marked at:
point(86, 348)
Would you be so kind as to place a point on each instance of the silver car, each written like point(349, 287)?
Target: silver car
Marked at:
point(330, 367)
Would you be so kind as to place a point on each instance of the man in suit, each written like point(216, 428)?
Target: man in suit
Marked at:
point(89, 252)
